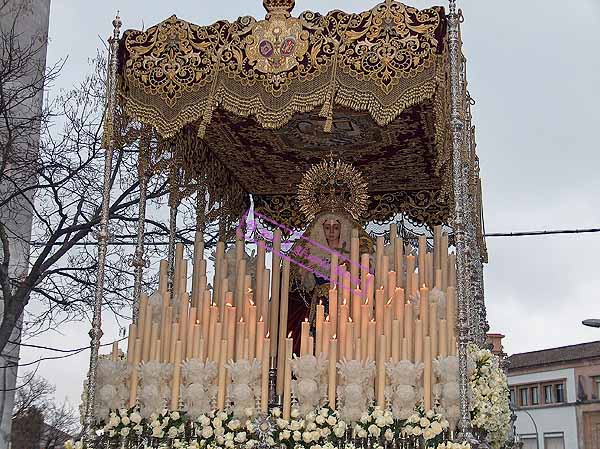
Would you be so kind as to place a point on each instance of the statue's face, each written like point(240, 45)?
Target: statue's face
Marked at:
point(332, 230)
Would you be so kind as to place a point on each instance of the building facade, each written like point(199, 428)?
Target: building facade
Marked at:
point(556, 395)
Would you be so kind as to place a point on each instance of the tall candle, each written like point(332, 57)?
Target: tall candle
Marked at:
point(196, 341)
point(364, 271)
point(418, 341)
point(399, 259)
point(214, 313)
point(219, 255)
point(264, 384)
point(410, 268)
point(443, 338)
point(218, 338)
point(260, 339)
point(319, 328)
point(166, 337)
point(265, 300)
point(341, 331)
point(424, 309)
point(176, 376)
point(287, 383)
point(433, 328)
point(379, 304)
point(260, 272)
point(372, 340)
point(326, 334)
point(387, 327)
point(333, 309)
point(385, 271)
point(396, 341)
point(229, 334)
point(275, 296)
point(240, 334)
point(131, 342)
point(240, 303)
point(379, 251)
point(205, 322)
point(437, 240)
point(174, 340)
point(405, 354)
point(133, 382)
point(251, 331)
point(364, 329)
point(147, 333)
point(370, 293)
point(304, 334)
point(189, 347)
point(354, 260)
point(444, 261)
point(422, 258)
point(399, 304)
point(408, 328)
point(222, 379)
point(349, 344)
point(333, 271)
point(381, 357)
point(283, 317)
point(427, 374)
point(331, 387)
point(356, 303)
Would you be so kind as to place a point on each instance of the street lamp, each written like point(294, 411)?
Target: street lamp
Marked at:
point(591, 323)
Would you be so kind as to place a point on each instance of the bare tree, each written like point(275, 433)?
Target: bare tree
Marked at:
point(37, 420)
point(51, 167)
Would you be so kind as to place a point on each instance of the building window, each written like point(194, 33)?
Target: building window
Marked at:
point(596, 393)
point(548, 396)
point(524, 397)
point(535, 395)
point(529, 441)
point(513, 396)
point(554, 441)
point(560, 392)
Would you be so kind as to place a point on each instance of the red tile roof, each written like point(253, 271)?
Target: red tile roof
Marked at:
point(555, 355)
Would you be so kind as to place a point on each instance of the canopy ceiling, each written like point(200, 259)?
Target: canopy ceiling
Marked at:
point(266, 99)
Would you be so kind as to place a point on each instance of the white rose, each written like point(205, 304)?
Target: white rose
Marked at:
point(157, 432)
point(207, 432)
point(311, 426)
point(217, 422)
point(219, 431)
point(374, 430)
point(220, 439)
point(325, 432)
point(297, 436)
point(295, 413)
point(416, 431)
point(173, 432)
point(380, 422)
point(250, 444)
point(430, 414)
point(414, 418)
point(331, 420)
point(282, 423)
point(428, 434)
point(114, 421)
point(174, 416)
point(307, 437)
point(320, 420)
point(229, 436)
point(234, 424)
point(310, 417)
point(123, 412)
point(276, 412)
point(250, 427)
point(362, 433)
point(124, 431)
point(389, 435)
point(377, 413)
point(286, 434)
point(155, 423)
point(229, 444)
point(222, 416)
point(270, 441)
point(125, 421)
point(339, 431)
point(424, 423)
point(241, 437)
point(136, 418)
point(436, 427)
point(324, 412)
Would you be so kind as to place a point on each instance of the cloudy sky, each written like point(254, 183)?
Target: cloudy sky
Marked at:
point(533, 71)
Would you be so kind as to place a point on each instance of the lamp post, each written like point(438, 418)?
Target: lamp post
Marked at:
point(537, 435)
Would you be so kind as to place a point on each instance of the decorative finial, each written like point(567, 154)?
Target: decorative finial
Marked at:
point(279, 6)
point(117, 25)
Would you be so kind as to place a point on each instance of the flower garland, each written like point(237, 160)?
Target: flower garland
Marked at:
point(490, 401)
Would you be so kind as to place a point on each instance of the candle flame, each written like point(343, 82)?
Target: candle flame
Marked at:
point(251, 303)
point(350, 319)
point(344, 302)
point(334, 287)
point(327, 318)
point(334, 336)
point(260, 319)
point(372, 320)
point(367, 302)
point(241, 319)
point(380, 288)
point(268, 334)
point(306, 320)
point(290, 335)
point(249, 290)
point(197, 321)
point(228, 305)
point(389, 302)
point(320, 302)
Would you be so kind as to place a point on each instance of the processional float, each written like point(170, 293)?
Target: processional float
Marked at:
point(340, 148)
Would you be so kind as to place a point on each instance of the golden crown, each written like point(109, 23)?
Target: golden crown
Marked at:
point(333, 186)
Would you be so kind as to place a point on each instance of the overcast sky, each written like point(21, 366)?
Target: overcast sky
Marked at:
point(534, 72)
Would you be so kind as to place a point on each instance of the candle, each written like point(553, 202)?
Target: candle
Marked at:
point(166, 337)
point(422, 258)
point(381, 371)
point(189, 347)
point(364, 326)
point(287, 383)
point(398, 263)
point(437, 240)
point(424, 309)
point(218, 338)
point(146, 342)
point(438, 279)
point(354, 260)
point(433, 329)
point(205, 322)
point(391, 285)
point(183, 321)
point(347, 287)
point(222, 379)
point(219, 255)
point(452, 270)
point(251, 330)
point(240, 334)
point(372, 335)
point(196, 341)
point(133, 384)
point(410, 269)
point(443, 338)
point(260, 271)
point(427, 374)
point(364, 271)
point(379, 248)
point(349, 345)
point(239, 288)
point(385, 271)
point(275, 292)
point(265, 299)
point(319, 328)
point(174, 340)
point(304, 334)
point(399, 305)
point(331, 387)
point(283, 317)
point(230, 335)
point(333, 270)
point(356, 304)
point(408, 328)
point(176, 376)
point(333, 312)
point(131, 342)
point(396, 341)
point(214, 313)
point(429, 271)
point(370, 293)
point(405, 353)
point(387, 327)
point(341, 332)
point(264, 384)
point(444, 261)
point(163, 271)
point(326, 334)
point(379, 304)
point(153, 339)
point(418, 341)
point(260, 339)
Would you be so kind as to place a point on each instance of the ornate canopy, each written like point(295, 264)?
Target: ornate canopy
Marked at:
point(254, 103)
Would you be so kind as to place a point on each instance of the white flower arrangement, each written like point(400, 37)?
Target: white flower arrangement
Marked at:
point(451, 445)
point(490, 406)
point(427, 424)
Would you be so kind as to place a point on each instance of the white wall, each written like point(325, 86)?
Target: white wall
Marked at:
point(550, 419)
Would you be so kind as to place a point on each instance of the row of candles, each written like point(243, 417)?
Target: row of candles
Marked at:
point(236, 323)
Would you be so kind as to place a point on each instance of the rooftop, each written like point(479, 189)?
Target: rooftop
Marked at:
point(552, 356)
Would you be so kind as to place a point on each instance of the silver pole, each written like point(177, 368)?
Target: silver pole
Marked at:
point(457, 126)
point(103, 236)
point(173, 204)
point(139, 262)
